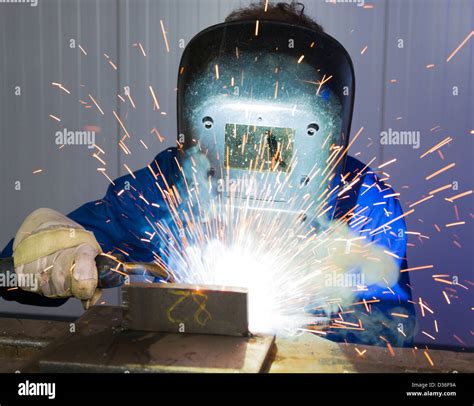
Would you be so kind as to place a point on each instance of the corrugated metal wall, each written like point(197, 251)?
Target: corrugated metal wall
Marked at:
point(395, 89)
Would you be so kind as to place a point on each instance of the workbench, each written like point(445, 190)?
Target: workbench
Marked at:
point(26, 345)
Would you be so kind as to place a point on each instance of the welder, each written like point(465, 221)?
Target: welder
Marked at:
point(268, 74)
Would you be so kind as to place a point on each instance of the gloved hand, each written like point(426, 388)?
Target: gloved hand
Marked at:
point(55, 257)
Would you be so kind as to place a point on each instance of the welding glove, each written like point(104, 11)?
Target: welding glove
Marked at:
point(55, 257)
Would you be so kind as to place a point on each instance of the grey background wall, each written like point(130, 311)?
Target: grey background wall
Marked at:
point(395, 90)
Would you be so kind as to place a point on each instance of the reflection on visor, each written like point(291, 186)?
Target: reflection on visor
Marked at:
point(258, 148)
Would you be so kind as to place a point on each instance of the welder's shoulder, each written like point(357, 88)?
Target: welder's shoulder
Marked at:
point(371, 190)
point(164, 164)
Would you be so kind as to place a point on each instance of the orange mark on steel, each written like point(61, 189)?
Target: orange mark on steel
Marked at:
point(183, 295)
point(199, 298)
point(359, 352)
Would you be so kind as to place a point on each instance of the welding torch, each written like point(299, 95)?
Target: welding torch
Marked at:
point(111, 270)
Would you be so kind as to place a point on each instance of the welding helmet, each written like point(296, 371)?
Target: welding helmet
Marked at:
point(270, 105)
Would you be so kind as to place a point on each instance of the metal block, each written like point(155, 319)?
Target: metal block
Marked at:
point(180, 308)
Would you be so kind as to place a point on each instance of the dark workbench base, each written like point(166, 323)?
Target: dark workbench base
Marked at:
point(32, 345)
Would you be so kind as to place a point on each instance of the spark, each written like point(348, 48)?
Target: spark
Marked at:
point(458, 223)
point(387, 163)
point(141, 141)
point(390, 349)
point(405, 316)
point(460, 46)
point(142, 49)
point(121, 124)
point(392, 221)
point(158, 135)
point(440, 189)
point(301, 59)
point(82, 50)
point(96, 104)
point(364, 50)
point(417, 268)
point(155, 100)
point(55, 118)
point(99, 159)
point(458, 196)
point(257, 26)
point(164, 36)
point(428, 358)
point(421, 201)
point(102, 171)
point(129, 171)
point(110, 62)
point(444, 169)
point(428, 335)
point(37, 171)
point(217, 71)
point(61, 87)
point(322, 82)
point(442, 143)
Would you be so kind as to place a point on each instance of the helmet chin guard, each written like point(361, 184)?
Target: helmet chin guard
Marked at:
point(270, 105)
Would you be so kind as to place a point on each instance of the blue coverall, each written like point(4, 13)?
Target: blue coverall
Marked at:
point(119, 220)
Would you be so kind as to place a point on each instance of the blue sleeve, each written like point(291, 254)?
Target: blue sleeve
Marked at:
point(378, 217)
